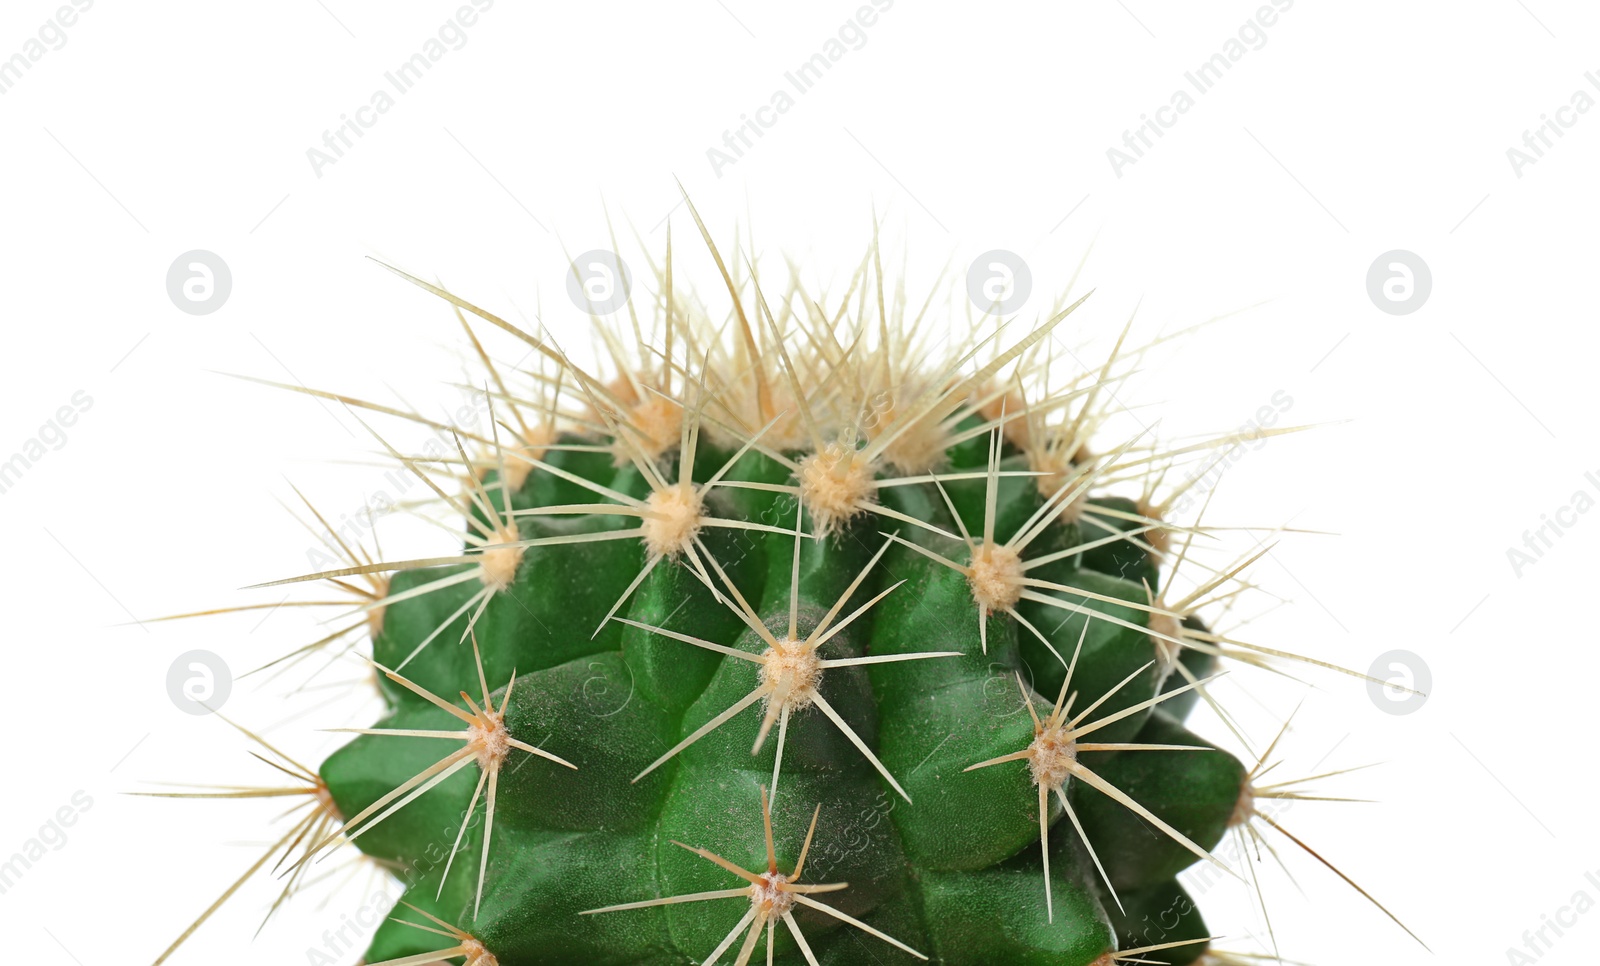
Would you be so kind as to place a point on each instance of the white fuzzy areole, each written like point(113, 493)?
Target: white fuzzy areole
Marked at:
point(1159, 538)
point(1013, 408)
point(767, 898)
point(672, 519)
point(995, 574)
point(1058, 469)
point(477, 955)
point(833, 482)
point(657, 425)
point(499, 566)
point(1051, 757)
point(1167, 625)
point(488, 738)
point(788, 430)
point(791, 673)
point(920, 449)
point(533, 445)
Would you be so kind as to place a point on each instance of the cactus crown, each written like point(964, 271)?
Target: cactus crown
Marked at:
point(811, 561)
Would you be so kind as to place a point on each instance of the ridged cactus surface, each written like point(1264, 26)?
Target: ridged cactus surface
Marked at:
point(949, 862)
point(803, 635)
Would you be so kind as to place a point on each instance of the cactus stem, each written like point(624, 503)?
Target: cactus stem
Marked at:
point(671, 517)
point(1052, 759)
point(789, 671)
point(487, 743)
point(848, 408)
point(996, 572)
point(772, 895)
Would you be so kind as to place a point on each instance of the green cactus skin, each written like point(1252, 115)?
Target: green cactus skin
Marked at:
point(904, 635)
point(1159, 915)
point(955, 872)
point(1196, 793)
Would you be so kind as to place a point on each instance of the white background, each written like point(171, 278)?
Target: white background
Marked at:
point(1357, 128)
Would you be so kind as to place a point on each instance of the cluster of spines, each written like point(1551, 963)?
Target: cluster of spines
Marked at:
point(847, 420)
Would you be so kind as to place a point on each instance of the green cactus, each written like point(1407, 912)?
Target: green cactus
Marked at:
point(819, 597)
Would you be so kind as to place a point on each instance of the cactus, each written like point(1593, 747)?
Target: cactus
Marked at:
point(821, 596)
